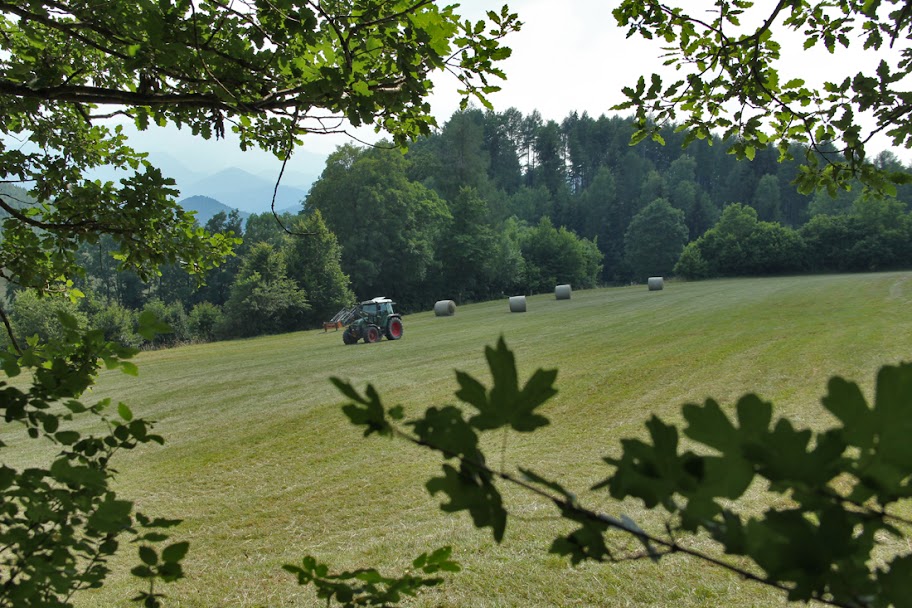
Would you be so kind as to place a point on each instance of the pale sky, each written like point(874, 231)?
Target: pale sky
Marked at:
point(569, 56)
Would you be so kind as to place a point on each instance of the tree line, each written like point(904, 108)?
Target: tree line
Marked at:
point(495, 204)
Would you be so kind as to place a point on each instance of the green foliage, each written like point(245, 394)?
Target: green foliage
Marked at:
point(313, 256)
point(531, 204)
point(509, 264)
point(827, 236)
point(468, 249)
point(728, 80)
point(840, 481)
point(774, 249)
point(367, 587)
point(34, 315)
point(264, 300)
point(505, 405)
point(767, 199)
point(273, 72)
point(388, 226)
point(462, 160)
point(263, 228)
point(549, 170)
point(739, 244)
point(873, 233)
point(204, 320)
point(176, 329)
point(691, 264)
point(476, 252)
point(654, 240)
point(116, 322)
point(556, 255)
point(834, 493)
point(60, 525)
point(824, 204)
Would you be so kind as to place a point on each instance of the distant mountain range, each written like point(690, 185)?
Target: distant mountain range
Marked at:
point(239, 189)
point(234, 187)
point(207, 207)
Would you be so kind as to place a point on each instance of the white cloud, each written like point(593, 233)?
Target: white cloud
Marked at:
point(569, 56)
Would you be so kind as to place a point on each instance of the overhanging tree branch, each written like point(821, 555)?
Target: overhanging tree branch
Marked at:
point(565, 505)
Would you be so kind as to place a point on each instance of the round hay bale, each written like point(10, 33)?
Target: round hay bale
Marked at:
point(655, 283)
point(562, 292)
point(518, 304)
point(445, 308)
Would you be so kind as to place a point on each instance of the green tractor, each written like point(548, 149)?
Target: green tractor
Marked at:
point(371, 320)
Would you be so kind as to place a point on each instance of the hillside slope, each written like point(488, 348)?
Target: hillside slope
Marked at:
point(263, 468)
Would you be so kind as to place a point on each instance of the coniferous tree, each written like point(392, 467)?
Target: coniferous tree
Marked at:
point(313, 257)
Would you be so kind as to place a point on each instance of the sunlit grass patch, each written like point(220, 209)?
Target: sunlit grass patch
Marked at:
point(263, 467)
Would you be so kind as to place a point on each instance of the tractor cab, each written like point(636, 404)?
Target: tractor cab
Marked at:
point(377, 310)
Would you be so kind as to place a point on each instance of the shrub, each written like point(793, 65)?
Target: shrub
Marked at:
point(116, 322)
point(203, 321)
point(174, 316)
point(34, 315)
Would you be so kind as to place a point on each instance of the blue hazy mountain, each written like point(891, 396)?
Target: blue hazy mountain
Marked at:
point(242, 190)
point(206, 208)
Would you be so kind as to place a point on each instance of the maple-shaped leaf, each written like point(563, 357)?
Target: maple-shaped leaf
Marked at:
point(366, 411)
point(505, 404)
point(470, 489)
point(447, 431)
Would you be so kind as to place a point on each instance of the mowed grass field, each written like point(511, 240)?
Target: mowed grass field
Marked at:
point(263, 467)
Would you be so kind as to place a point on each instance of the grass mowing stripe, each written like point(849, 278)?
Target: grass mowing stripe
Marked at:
point(264, 469)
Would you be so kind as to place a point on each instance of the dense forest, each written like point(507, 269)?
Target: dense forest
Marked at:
point(496, 204)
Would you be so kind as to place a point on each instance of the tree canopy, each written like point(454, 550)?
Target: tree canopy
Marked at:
point(654, 239)
point(271, 71)
point(730, 79)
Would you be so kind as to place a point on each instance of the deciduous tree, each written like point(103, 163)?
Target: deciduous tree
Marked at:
point(269, 71)
point(731, 78)
point(388, 225)
point(264, 299)
point(314, 264)
point(654, 239)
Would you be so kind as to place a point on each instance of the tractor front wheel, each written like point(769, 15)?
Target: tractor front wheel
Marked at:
point(394, 329)
point(348, 338)
point(371, 334)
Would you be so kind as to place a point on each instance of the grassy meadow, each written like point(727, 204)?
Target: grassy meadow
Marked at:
point(263, 467)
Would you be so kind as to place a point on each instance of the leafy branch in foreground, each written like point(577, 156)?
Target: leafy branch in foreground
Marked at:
point(271, 72)
point(731, 77)
point(367, 587)
point(832, 532)
point(60, 525)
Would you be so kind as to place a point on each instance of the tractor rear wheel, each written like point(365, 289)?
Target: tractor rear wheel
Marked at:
point(348, 338)
point(394, 329)
point(371, 334)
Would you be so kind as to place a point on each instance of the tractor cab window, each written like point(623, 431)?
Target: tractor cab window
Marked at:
point(386, 308)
